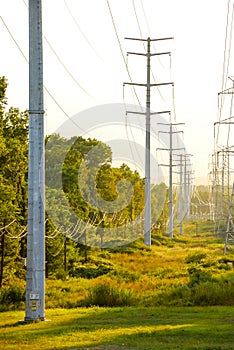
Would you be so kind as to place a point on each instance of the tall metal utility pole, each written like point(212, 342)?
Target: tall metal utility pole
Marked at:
point(180, 164)
point(230, 226)
point(171, 149)
point(186, 185)
point(148, 85)
point(35, 275)
point(181, 195)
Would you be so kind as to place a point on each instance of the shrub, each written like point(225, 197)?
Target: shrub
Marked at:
point(106, 295)
point(91, 271)
point(198, 275)
point(214, 293)
point(197, 258)
point(125, 275)
point(12, 298)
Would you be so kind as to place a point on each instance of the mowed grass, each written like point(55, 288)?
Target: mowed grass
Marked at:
point(124, 328)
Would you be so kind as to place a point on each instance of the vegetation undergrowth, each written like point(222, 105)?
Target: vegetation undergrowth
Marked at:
point(188, 270)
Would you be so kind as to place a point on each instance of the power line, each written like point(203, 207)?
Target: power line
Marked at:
point(12, 37)
point(148, 28)
point(63, 65)
point(224, 77)
point(46, 89)
point(126, 127)
point(66, 69)
point(146, 20)
point(8, 225)
point(121, 49)
point(148, 113)
point(140, 31)
point(138, 22)
point(81, 31)
point(128, 72)
point(226, 61)
point(22, 234)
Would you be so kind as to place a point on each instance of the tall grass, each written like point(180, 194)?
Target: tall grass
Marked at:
point(105, 294)
point(191, 270)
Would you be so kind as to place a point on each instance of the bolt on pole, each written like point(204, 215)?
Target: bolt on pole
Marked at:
point(35, 274)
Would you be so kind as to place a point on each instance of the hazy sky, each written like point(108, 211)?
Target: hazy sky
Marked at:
point(84, 67)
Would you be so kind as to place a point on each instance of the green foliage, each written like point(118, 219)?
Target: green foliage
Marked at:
point(79, 175)
point(92, 268)
point(105, 294)
point(184, 275)
point(202, 267)
point(185, 270)
point(79, 180)
point(197, 257)
point(13, 186)
point(12, 297)
point(124, 275)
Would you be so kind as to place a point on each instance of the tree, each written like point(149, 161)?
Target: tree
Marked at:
point(13, 187)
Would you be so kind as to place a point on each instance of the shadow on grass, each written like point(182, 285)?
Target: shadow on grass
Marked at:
point(129, 328)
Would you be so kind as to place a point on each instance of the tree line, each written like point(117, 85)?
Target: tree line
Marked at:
point(89, 203)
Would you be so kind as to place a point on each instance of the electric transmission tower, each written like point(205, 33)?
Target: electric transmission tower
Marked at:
point(229, 239)
point(222, 160)
point(148, 114)
point(170, 165)
point(35, 275)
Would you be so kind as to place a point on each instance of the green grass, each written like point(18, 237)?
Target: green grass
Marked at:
point(149, 289)
point(122, 328)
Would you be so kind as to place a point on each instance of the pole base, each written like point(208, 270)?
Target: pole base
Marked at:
point(37, 320)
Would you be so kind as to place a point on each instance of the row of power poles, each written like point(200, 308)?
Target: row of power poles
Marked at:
point(148, 113)
point(35, 275)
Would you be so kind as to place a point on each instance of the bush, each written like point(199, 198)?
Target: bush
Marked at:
point(125, 275)
point(107, 295)
point(91, 271)
point(197, 258)
point(198, 275)
point(213, 293)
point(12, 298)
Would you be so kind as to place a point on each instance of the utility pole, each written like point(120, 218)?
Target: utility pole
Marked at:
point(186, 185)
point(2, 253)
point(230, 226)
point(222, 152)
point(170, 149)
point(35, 275)
point(180, 160)
point(181, 195)
point(148, 85)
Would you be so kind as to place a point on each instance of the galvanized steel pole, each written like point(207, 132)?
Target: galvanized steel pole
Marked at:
point(181, 194)
point(170, 185)
point(35, 276)
point(148, 85)
point(147, 221)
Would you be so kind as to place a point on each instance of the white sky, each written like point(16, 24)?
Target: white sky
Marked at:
point(198, 28)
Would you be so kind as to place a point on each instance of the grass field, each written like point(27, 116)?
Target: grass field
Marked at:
point(122, 328)
point(177, 295)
